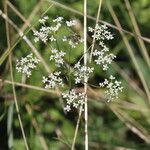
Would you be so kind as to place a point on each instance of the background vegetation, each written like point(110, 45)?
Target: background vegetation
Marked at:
point(122, 124)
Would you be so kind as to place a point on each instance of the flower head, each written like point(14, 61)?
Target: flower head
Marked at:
point(53, 80)
point(57, 56)
point(113, 88)
point(73, 99)
point(27, 64)
point(81, 71)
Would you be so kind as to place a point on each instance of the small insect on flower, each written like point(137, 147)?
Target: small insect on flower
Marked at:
point(73, 99)
point(113, 88)
point(73, 40)
point(27, 64)
point(53, 80)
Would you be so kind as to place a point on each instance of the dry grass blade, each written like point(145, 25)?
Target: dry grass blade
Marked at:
point(32, 14)
point(132, 106)
point(85, 76)
point(12, 79)
point(130, 50)
point(76, 130)
point(137, 31)
point(131, 82)
point(132, 124)
point(30, 86)
point(38, 130)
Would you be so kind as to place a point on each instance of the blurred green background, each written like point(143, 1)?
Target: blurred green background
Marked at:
point(122, 124)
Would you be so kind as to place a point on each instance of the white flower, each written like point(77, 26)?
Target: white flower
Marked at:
point(36, 39)
point(55, 28)
point(106, 82)
point(67, 108)
point(90, 29)
point(53, 80)
point(77, 80)
point(70, 23)
point(113, 88)
point(52, 38)
point(105, 67)
point(27, 64)
point(77, 65)
point(103, 58)
point(42, 35)
point(57, 57)
point(73, 99)
point(46, 32)
point(81, 71)
point(43, 20)
point(101, 33)
point(112, 77)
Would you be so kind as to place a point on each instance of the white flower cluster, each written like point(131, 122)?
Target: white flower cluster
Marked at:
point(101, 33)
point(73, 99)
point(46, 32)
point(57, 57)
point(27, 64)
point(42, 34)
point(81, 71)
point(113, 88)
point(53, 80)
point(103, 57)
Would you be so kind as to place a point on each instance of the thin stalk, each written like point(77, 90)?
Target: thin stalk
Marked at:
point(85, 76)
point(37, 128)
point(97, 18)
point(131, 123)
point(13, 86)
point(76, 130)
point(30, 86)
point(137, 31)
